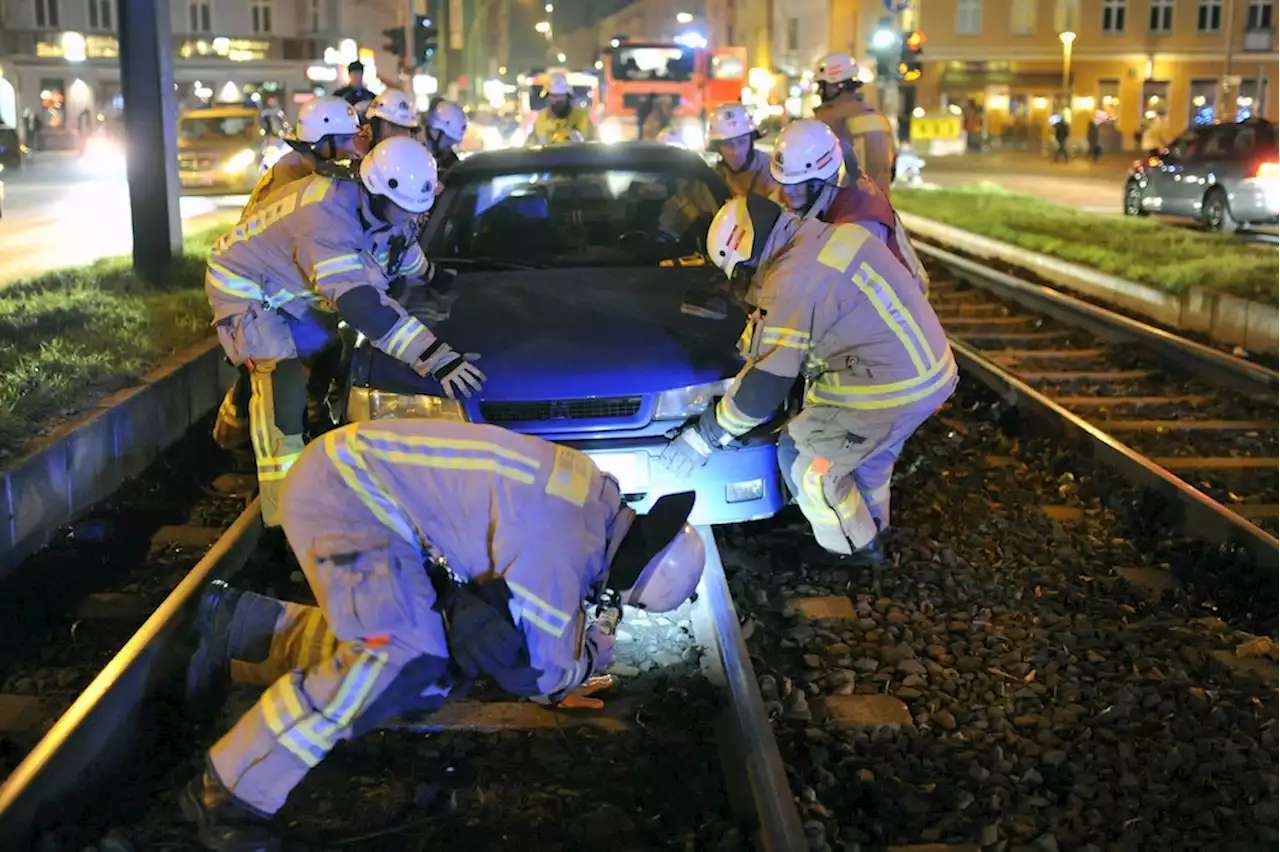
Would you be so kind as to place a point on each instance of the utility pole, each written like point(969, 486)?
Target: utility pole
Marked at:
point(151, 126)
point(1225, 109)
point(410, 28)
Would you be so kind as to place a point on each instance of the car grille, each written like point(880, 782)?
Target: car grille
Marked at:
point(602, 408)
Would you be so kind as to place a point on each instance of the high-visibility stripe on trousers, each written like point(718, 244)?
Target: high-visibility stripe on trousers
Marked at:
point(376, 601)
point(839, 463)
point(277, 411)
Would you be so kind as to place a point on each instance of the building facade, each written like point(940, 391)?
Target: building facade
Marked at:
point(59, 59)
point(1129, 65)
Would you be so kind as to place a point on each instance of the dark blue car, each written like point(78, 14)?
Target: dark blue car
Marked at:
point(583, 287)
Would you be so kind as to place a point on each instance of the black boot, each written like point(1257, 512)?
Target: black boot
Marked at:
point(221, 824)
point(864, 557)
point(208, 674)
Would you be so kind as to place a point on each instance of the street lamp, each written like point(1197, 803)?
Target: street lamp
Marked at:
point(550, 7)
point(542, 26)
point(1067, 38)
point(560, 57)
point(684, 18)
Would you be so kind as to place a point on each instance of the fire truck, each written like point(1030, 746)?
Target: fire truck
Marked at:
point(693, 78)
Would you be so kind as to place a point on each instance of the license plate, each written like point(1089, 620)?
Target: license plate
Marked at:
point(630, 469)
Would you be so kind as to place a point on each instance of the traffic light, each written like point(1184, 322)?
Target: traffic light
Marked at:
point(395, 41)
point(426, 40)
point(909, 65)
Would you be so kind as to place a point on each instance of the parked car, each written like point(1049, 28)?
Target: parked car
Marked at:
point(584, 289)
point(1226, 176)
point(223, 150)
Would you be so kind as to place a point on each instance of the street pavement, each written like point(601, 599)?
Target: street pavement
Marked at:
point(59, 214)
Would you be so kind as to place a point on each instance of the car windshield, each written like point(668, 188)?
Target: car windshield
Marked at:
point(576, 217)
point(665, 63)
point(221, 129)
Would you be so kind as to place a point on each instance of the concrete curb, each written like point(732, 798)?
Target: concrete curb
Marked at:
point(1228, 320)
point(85, 460)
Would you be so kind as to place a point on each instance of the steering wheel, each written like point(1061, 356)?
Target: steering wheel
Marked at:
point(652, 236)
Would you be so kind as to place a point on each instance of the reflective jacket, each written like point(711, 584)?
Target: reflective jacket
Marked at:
point(308, 250)
point(864, 202)
point(547, 127)
point(492, 502)
point(753, 177)
point(865, 135)
point(290, 167)
point(838, 308)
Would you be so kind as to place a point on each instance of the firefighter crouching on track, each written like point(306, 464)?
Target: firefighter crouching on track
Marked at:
point(733, 135)
point(865, 135)
point(328, 129)
point(307, 255)
point(807, 166)
point(438, 552)
point(839, 309)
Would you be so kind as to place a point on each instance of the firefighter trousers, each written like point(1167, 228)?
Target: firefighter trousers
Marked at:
point(231, 428)
point(342, 667)
point(838, 462)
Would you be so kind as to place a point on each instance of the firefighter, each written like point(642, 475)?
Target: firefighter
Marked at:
point(807, 166)
point(446, 127)
point(733, 135)
point(837, 308)
point(308, 254)
point(865, 134)
point(560, 119)
point(392, 113)
point(328, 129)
point(429, 573)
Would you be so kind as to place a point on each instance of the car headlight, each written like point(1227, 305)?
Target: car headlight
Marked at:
point(368, 404)
point(240, 161)
point(691, 135)
point(683, 403)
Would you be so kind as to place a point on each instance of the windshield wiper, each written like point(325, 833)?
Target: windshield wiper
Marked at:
point(483, 260)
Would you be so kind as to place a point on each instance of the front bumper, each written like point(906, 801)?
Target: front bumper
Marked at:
point(1256, 202)
point(734, 486)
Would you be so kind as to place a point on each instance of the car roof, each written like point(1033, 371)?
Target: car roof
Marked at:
point(648, 156)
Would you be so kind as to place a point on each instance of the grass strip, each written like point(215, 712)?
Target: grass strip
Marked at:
point(70, 337)
point(1160, 254)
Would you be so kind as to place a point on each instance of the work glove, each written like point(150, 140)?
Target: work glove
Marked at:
point(453, 371)
point(598, 646)
point(687, 453)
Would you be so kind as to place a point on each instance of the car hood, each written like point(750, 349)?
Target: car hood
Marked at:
point(220, 147)
point(567, 333)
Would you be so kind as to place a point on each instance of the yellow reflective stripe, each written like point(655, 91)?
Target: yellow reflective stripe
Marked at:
point(842, 246)
point(733, 420)
point(821, 513)
point(543, 614)
point(832, 381)
point(335, 265)
point(571, 476)
point(282, 710)
point(848, 507)
point(487, 465)
point(316, 190)
point(402, 338)
point(325, 727)
point(786, 337)
point(221, 278)
point(372, 436)
point(872, 122)
point(415, 267)
point(873, 294)
point(829, 395)
point(900, 309)
point(307, 653)
point(351, 467)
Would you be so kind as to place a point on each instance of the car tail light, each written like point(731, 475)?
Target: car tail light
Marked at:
point(1269, 171)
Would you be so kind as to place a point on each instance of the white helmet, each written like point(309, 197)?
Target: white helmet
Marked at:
point(729, 121)
point(558, 85)
point(403, 170)
point(449, 119)
point(835, 68)
point(659, 561)
point(324, 116)
point(806, 150)
point(739, 230)
point(395, 107)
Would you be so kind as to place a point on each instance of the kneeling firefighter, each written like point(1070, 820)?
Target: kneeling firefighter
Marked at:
point(428, 575)
point(839, 309)
point(308, 255)
point(807, 166)
point(328, 129)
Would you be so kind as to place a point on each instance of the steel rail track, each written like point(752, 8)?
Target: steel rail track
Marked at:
point(85, 750)
point(972, 321)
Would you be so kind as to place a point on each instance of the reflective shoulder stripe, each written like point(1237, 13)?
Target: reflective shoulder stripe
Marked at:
point(342, 446)
point(317, 189)
point(451, 454)
point(870, 122)
point(842, 246)
point(570, 478)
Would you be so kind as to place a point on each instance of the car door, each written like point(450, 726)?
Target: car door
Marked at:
point(1205, 168)
point(1172, 189)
